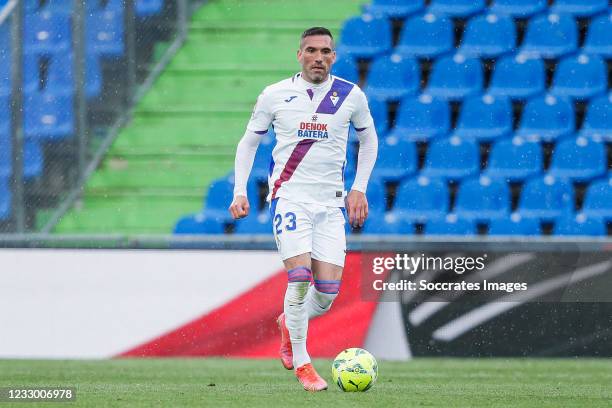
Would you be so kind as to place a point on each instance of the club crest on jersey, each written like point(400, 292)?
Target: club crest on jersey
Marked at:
point(334, 98)
point(313, 130)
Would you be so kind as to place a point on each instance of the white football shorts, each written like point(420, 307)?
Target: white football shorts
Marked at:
point(300, 228)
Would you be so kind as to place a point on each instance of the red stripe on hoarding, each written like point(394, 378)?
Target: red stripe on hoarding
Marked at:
point(246, 325)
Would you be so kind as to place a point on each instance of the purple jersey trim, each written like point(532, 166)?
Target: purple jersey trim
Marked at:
point(261, 132)
point(295, 159)
point(310, 93)
point(339, 89)
point(360, 129)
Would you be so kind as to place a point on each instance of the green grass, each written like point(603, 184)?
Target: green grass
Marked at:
point(263, 383)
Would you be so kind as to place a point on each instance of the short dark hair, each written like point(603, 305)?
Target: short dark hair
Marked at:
point(316, 31)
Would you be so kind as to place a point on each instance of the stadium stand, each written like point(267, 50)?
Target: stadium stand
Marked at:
point(450, 225)
point(421, 199)
point(514, 225)
point(452, 159)
point(488, 36)
point(455, 77)
point(482, 200)
point(550, 36)
point(518, 8)
point(546, 198)
point(422, 118)
point(508, 126)
point(512, 94)
point(425, 36)
point(392, 78)
point(518, 77)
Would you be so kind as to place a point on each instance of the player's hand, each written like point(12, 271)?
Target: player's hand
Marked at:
point(239, 207)
point(357, 207)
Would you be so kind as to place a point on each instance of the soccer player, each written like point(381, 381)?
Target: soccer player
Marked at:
point(311, 113)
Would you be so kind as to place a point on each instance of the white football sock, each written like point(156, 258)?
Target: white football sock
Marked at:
point(296, 319)
point(318, 303)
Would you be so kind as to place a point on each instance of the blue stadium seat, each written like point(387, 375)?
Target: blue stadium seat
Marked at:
point(60, 80)
point(484, 118)
point(32, 158)
point(422, 118)
point(59, 6)
point(514, 225)
point(457, 8)
point(514, 160)
point(394, 8)
point(365, 36)
point(33, 162)
point(32, 80)
point(198, 224)
point(598, 199)
point(351, 162)
point(346, 68)
point(579, 159)
point(546, 118)
point(580, 8)
point(5, 61)
point(421, 198)
point(48, 117)
point(451, 225)
point(599, 37)
point(425, 36)
point(377, 196)
point(518, 8)
point(579, 224)
point(518, 77)
point(255, 223)
point(397, 158)
point(482, 199)
point(105, 32)
point(262, 164)
point(454, 77)
point(389, 223)
point(598, 122)
point(580, 77)
point(218, 198)
point(392, 77)
point(380, 114)
point(550, 36)
point(6, 163)
point(5, 199)
point(451, 158)
point(5, 115)
point(488, 36)
point(546, 198)
point(47, 32)
point(148, 8)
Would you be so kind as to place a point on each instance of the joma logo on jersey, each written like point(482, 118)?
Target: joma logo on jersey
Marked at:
point(313, 130)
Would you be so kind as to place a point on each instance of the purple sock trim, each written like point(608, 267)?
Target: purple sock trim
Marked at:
point(299, 274)
point(327, 286)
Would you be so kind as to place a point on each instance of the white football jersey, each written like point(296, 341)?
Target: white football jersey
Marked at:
point(311, 123)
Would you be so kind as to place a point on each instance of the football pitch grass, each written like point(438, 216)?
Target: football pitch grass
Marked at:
point(264, 383)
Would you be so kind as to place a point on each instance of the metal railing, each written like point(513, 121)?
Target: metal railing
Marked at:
point(70, 97)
